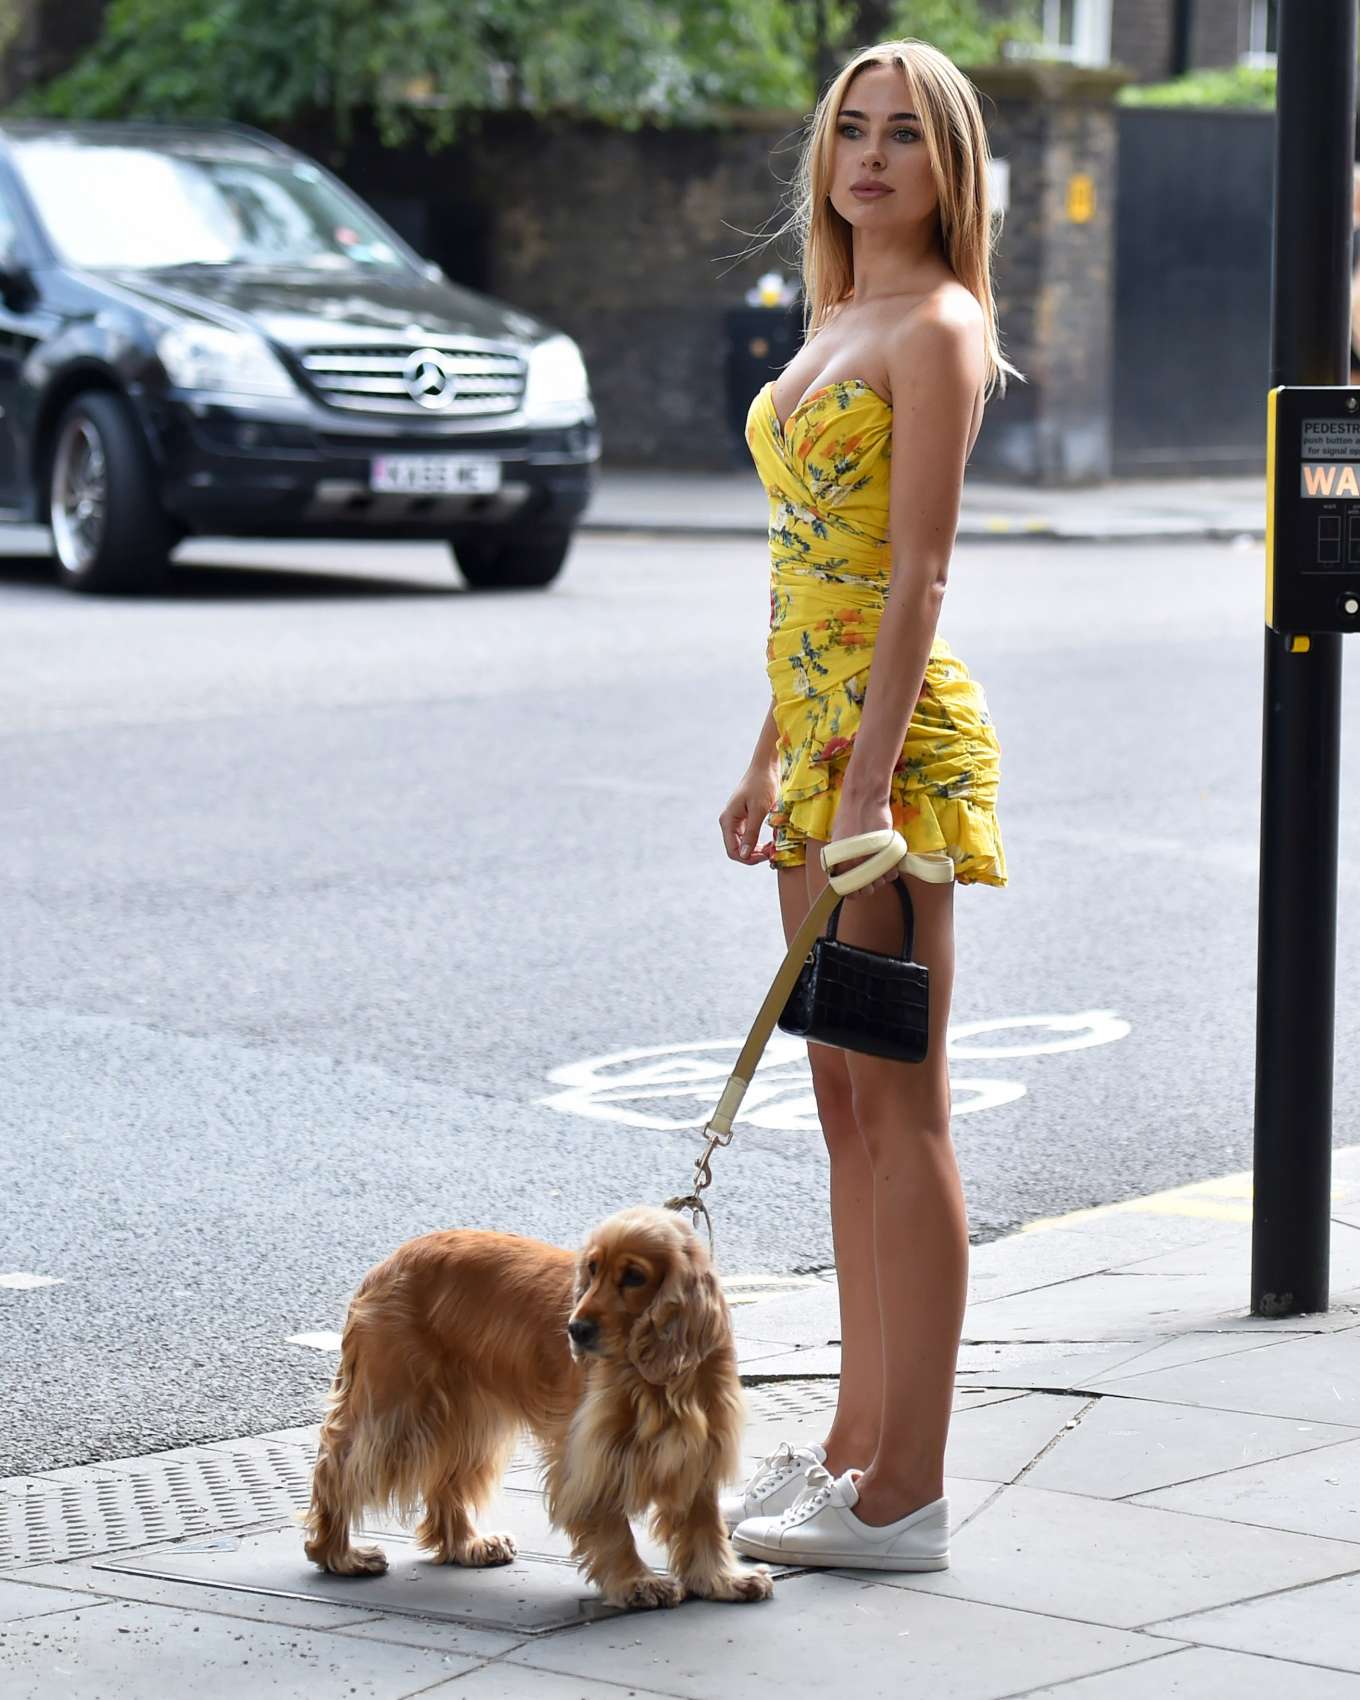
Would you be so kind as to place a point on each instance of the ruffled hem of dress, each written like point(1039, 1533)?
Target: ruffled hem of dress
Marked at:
point(967, 832)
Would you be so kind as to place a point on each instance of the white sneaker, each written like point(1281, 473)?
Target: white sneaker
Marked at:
point(775, 1484)
point(821, 1528)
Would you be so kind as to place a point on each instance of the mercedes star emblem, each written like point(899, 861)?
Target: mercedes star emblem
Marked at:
point(427, 377)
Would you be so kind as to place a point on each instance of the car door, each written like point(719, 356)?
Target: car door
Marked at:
point(22, 324)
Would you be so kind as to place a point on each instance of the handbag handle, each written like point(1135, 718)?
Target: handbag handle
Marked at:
point(889, 850)
point(908, 920)
point(886, 849)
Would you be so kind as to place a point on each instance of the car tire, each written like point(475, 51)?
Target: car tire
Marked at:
point(498, 558)
point(108, 530)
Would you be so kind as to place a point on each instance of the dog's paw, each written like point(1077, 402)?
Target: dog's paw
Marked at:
point(354, 1561)
point(738, 1585)
point(483, 1551)
point(647, 1593)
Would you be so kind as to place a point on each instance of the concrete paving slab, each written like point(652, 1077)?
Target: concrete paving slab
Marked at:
point(1074, 1365)
point(1315, 1624)
point(1340, 1316)
point(526, 1597)
point(428, 1632)
point(1123, 1447)
point(306, 1436)
point(1105, 1561)
point(1314, 1377)
point(997, 1442)
point(757, 1351)
point(1198, 1674)
point(801, 1361)
point(1193, 1348)
point(508, 1682)
point(152, 1651)
point(1029, 1262)
point(1106, 1307)
point(82, 1578)
point(1232, 1254)
point(809, 1317)
point(20, 1600)
point(826, 1635)
point(264, 1445)
point(1317, 1493)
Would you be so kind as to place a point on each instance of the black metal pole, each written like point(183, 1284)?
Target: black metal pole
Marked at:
point(1296, 953)
point(1182, 28)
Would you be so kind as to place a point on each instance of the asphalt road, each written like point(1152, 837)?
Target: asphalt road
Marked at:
point(335, 903)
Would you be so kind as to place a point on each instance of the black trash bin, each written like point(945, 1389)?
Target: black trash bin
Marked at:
point(760, 343)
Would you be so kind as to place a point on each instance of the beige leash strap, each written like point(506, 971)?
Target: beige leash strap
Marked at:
point(888, 852)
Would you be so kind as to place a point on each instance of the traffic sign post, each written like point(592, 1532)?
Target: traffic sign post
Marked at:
point(1312, 597)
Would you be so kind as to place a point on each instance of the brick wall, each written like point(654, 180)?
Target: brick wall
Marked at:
point(1219, 32)
point(1141, 38)
point(1054, 274)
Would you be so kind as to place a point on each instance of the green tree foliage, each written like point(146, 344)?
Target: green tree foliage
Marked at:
point(428, 66)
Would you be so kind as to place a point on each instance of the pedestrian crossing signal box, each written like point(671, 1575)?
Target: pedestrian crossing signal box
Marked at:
point(1313, 509)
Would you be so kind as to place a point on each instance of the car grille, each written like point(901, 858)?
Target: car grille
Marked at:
point(430, 380)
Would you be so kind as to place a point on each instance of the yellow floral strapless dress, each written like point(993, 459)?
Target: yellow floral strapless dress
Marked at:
point(827, 477)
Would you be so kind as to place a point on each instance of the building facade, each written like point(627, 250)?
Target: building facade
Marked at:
point(1154, 40)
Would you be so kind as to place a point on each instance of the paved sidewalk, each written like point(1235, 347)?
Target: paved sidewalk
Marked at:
point(733, 504)
point(1154, 1494)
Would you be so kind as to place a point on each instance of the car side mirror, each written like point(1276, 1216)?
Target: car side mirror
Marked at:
point(16, 285)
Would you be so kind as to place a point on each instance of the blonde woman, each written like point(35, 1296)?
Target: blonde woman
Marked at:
point(861, 443)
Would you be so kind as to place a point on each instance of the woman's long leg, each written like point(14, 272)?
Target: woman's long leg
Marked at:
point(921, 1226)
point(852, 1438)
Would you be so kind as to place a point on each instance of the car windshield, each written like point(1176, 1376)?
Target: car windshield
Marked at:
point(111, 206)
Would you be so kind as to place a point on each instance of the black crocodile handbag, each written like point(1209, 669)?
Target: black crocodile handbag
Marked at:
point(862, 1000)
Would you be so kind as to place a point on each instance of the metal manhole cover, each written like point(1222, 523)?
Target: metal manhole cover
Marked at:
point(138, 1502)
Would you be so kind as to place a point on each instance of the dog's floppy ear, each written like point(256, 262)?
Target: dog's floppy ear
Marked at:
point(684, 1322)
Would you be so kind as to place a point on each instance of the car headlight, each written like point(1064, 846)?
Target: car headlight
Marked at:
point(208, 357)
point(556, 391)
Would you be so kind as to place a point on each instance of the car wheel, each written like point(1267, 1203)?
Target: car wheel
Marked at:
point(108, 530)
point(493, 559)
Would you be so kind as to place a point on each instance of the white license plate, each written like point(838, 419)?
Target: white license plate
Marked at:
point(434, 475)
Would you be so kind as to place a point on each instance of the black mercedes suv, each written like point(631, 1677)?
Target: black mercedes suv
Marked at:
point(203, 332)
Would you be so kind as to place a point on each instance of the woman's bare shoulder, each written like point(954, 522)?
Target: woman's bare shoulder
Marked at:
point(949, 303)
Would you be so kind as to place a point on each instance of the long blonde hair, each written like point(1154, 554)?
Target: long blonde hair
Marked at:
point(956, 141)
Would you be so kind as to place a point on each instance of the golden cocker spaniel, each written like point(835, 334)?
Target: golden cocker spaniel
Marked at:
point(618, 1359)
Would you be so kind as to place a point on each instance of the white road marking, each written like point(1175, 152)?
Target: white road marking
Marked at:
point(1070, 1033)
point(22, 1280)
point(674, 1088)
point(318, 1342)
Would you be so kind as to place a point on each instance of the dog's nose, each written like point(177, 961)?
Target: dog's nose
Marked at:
point(583, 1331)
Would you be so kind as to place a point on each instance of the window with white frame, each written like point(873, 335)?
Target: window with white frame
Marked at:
point(1259, 19)
point(1077, 31)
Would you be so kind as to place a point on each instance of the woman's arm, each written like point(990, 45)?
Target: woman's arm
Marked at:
point(936, 367)
point(749, 806)
point(767, 743)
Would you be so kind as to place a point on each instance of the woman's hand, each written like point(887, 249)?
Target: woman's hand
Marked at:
point(853, 816)
point(745, 814)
